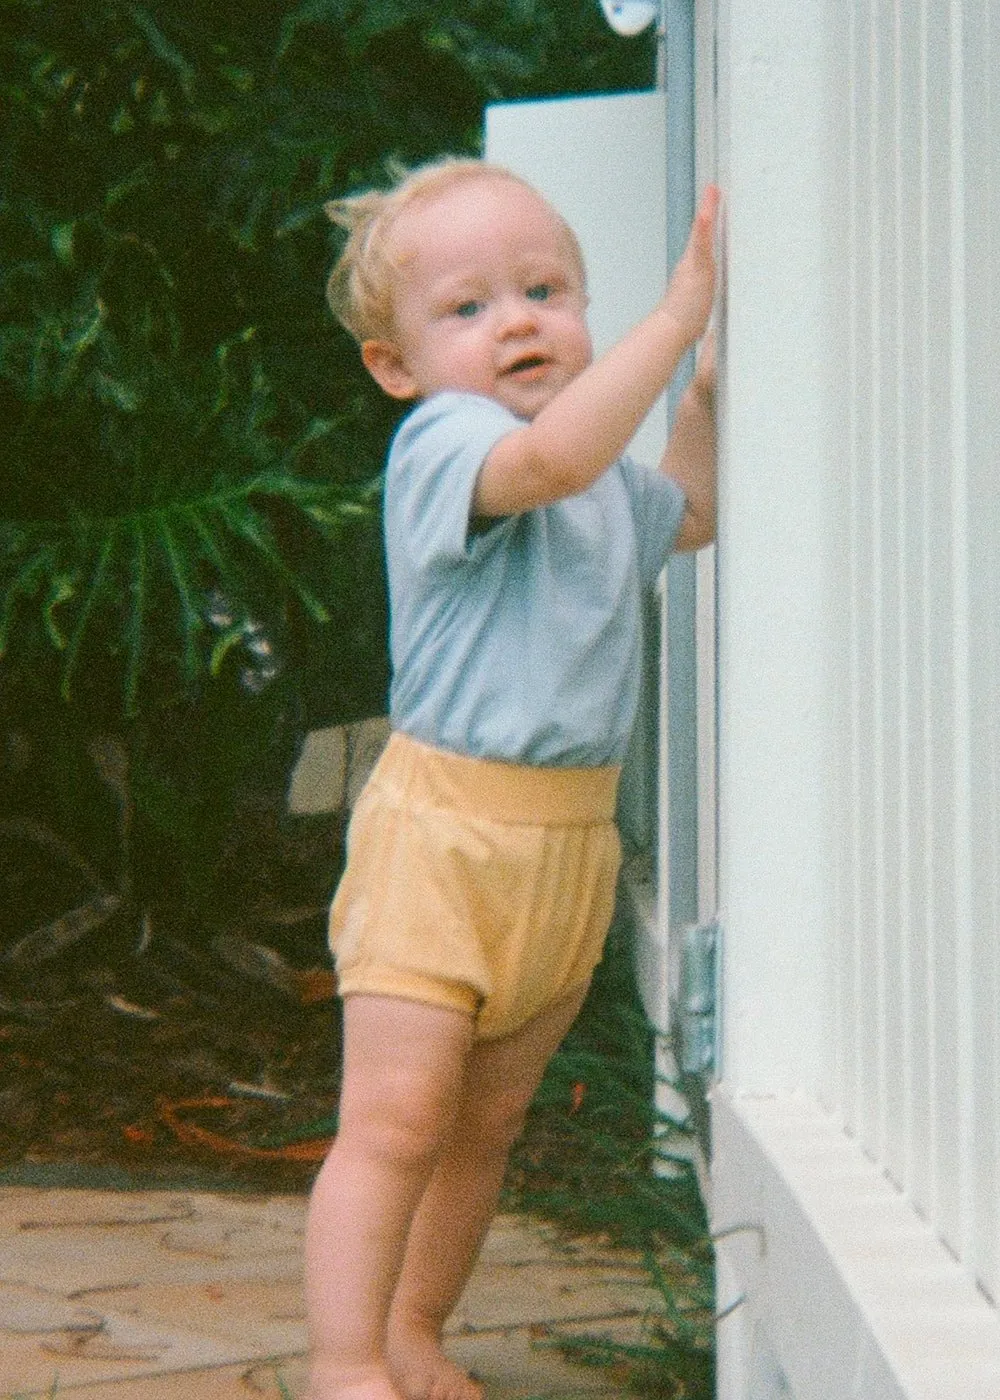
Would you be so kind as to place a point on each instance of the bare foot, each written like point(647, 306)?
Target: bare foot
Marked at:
point(328, 1382)
point(423, 1372)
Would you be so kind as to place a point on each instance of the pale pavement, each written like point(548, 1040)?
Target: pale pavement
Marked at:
point(177, 1295)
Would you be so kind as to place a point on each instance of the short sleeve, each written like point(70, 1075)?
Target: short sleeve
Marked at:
point(433, 467)
point(658, 506)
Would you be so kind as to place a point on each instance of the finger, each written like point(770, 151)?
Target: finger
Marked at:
point(703, 227)
point(708, 209)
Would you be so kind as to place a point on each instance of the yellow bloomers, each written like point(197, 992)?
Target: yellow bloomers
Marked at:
point(481, 886)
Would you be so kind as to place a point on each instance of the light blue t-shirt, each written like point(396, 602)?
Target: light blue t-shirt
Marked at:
point(521, 640)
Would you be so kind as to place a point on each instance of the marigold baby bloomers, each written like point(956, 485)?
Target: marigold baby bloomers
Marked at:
point(481, 886)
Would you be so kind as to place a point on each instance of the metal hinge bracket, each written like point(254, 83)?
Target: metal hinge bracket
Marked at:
point(694, 976)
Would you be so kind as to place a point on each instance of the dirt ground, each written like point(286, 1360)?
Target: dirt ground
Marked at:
point(170, 1066)
point(177, 1070)
point(159, 1051)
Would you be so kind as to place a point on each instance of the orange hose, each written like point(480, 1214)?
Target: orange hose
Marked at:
point(312, 1150)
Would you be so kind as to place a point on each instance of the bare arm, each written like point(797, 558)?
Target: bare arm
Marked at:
point(690, 455)
point(586, 426)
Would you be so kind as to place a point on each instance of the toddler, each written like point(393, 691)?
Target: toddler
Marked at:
point(483, 854)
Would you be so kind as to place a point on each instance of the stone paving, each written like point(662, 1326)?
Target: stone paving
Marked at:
point(175, 1295)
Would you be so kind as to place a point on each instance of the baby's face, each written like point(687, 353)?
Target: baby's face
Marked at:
point(490, 298)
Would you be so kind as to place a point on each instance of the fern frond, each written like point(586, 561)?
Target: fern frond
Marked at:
point(192, 622)
point(104, 583)
point(62, 589)
point(210, 544)
point(92, 593)
point(244, 521)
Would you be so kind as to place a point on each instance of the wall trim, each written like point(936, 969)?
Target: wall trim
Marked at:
point(856, 1296)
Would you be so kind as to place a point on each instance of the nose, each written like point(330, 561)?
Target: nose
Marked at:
point(517, 316)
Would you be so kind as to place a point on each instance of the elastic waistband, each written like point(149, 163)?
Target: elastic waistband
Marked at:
point(504, 792)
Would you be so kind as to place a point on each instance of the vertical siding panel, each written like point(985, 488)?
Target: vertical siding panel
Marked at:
point(776, 757)
point(982, 135)
point(923, 1186)
point(873, 681)
point(939, 889)
point(960, 1158)
point(912, 234)
point(892, 556)
point(850, 912)
point(840, 1066)
point(864, 613)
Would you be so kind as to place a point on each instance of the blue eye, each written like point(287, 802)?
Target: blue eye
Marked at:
point(540, 293)
point(468, 309)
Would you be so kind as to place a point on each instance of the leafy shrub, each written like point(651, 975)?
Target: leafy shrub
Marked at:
point(190, 565)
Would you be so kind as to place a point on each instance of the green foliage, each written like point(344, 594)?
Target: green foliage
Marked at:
point(167, 367)
point(190, 561)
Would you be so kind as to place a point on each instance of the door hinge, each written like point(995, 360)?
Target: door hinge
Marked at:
point(694, 996)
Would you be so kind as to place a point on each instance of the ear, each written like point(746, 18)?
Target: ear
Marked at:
point(384, 362)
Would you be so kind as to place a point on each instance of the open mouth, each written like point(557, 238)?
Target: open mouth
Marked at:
point(526, 364)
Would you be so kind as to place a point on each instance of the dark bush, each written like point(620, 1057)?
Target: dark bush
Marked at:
point(190, 566)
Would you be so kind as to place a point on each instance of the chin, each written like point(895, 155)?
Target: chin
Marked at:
point(527, 405)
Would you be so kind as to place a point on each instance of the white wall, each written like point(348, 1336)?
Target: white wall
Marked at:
point(600, 162)
point(856, 1127)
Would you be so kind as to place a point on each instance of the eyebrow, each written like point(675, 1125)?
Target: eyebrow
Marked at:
point(551, 266)
point(450, 288)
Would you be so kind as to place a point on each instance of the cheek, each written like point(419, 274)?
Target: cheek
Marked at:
point(473, 346)
point(462, 361)
point(576, 334)
point(584, 348)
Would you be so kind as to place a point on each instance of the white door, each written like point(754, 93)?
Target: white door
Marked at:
point(602, 161)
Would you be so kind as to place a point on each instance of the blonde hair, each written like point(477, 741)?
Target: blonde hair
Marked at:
point(359, 288)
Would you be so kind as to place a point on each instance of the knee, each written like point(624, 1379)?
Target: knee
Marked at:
point(404, 1136)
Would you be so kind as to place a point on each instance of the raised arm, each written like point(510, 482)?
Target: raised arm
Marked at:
point(578, 435)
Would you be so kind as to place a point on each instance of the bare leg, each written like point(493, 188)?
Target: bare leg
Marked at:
point(404, 1066)
point(458, 1205)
